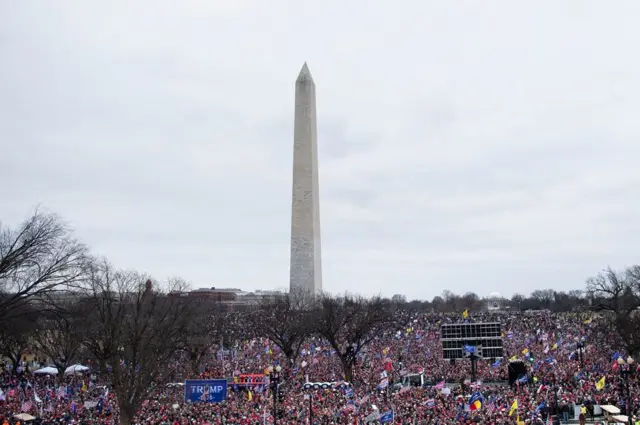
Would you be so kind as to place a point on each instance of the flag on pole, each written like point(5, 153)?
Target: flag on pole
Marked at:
point(491, 407)
point(476, 401)
point(387, 417)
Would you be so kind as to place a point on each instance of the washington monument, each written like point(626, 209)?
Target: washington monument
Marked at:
point(305, 274)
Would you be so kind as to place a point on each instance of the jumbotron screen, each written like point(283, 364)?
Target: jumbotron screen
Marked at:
point(485, 338)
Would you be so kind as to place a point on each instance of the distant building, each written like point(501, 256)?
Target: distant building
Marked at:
point(231, 298)
point(215, 294)
point(259, 295)
point(495, 302)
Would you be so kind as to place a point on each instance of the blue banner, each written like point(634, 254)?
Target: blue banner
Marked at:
point(205, 391)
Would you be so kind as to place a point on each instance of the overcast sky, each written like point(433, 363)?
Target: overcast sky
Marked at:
point(464, 145)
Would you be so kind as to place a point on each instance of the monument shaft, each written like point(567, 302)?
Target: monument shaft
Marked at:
point(306, 265)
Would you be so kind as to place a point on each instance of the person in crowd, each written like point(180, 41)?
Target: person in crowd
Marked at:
point(557, 380)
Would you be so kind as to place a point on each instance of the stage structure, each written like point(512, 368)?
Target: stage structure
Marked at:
point(472, 341)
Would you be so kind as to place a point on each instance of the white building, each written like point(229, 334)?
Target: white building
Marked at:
point(494, 302)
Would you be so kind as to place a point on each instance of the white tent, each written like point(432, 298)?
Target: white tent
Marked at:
point(24, 417)
point(75, 369)
point(620, 419)
point(46, 371)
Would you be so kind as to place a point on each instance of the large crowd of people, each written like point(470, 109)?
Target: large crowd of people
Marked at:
point(569, 359)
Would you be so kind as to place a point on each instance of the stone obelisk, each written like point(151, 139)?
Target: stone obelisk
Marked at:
point(305, 275)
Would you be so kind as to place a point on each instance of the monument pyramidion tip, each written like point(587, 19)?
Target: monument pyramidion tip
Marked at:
point(305, 74)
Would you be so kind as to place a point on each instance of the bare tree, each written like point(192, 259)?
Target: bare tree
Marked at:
point(177, 285)
point(135, 331)
point(202, 334)
point(282, 320)
point(202, 330)
point(58, 336)
point(471, 301)
point(15, 335)
point(36, 259)
point(619, 293)
point(439, 304)
point(399, 299)
point(576, 294)
point(516, 301)
point(545, 297)
point(451, 300)
point(349, 323)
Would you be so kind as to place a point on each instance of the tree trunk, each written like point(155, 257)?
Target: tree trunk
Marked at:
point(195, 363)
point(127, 412)
point(61, 370)
point(347, 368)
point(103, 367)
point(195, 369)
point(15, 362)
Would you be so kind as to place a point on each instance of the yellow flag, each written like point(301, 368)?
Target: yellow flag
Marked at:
point(555, 346)
point(514, 407)
point(250, 395)
point(465, 314)
point(525, 351)
point(513, 358)
point(600, 384)
point(586, 322)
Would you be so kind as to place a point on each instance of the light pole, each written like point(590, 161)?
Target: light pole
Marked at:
point(471, 353)
point(274, 381)
point(626, 371)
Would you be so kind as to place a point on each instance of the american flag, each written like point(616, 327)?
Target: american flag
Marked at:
point(27, 405)
point(204, 396)
point(363, 400)
point(440, 385)
point(491, 407)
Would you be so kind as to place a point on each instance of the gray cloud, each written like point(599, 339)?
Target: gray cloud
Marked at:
point(462, 148)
